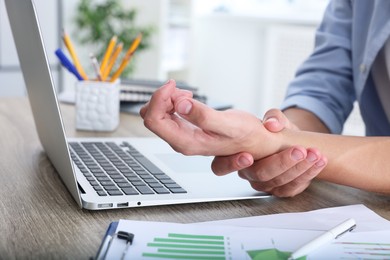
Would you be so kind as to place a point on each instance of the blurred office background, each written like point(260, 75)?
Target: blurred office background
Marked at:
point(241, 52)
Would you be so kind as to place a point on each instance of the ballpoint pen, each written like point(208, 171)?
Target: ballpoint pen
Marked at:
point(127, 57)
point(95, 65)
point(325, 238)
point(106, 242)
point(73, 54)
point(107, 55)
point(67, 64)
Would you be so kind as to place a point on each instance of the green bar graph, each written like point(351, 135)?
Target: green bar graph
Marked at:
point(187, 246)
point(220, 238)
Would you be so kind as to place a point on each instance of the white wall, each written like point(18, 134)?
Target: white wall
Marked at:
point(11, 80)
point(248, 60)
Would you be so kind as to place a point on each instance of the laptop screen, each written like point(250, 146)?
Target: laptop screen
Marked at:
point(41, 92)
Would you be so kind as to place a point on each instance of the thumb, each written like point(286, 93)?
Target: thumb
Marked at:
point(200, 114)
point(223, 165)
point(275, 121)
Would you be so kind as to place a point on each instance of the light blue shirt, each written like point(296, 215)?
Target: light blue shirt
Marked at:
point(339, 70)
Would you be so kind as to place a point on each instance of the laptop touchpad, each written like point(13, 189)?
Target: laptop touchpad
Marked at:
point(186, 164)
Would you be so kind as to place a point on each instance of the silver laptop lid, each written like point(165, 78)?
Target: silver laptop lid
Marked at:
point(40, 88)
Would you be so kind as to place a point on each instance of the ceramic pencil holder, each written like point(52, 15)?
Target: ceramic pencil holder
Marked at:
point(97, 105)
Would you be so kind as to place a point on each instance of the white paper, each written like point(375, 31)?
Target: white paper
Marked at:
point(262, 237)
point(322, 219)
point(234, 242)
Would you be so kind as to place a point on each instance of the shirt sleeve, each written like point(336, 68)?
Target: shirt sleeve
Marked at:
point(324, 82)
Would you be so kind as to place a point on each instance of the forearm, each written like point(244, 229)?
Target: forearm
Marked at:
point(305, 120)
point(360, 162)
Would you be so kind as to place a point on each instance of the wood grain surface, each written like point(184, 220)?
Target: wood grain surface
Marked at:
point(40, 220)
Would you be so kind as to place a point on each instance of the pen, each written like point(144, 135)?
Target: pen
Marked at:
point(95, 65)
point(73, 54)
point(327, 237)
point(112, 60)
point(67, 64)
point(107, 55)
point(127, 57)
point(103, 248)
point(107, 241)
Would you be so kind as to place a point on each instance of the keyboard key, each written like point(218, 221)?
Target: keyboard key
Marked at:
point(101, 193)
point(106, 183)
point(130, 191)
point(131, 179)
point(97, 188)
point(178, 190)
point(124, 185)
point(168, 181)
point(172, 185)
point(110, 187)
point(161, 190)
point(144, 189)
point(94, 183)
point(104, 178)
point(115, 192)
point(137, 183)
point(155, 185)
point(162, 177)
point(123, 180)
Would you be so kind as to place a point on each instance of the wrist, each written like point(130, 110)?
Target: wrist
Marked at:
point(302, 119)
point(269, 143)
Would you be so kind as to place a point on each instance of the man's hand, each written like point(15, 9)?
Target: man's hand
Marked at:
point(192, 128)
point(283, 174)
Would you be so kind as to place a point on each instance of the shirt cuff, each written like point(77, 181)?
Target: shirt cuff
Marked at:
point(318, 108)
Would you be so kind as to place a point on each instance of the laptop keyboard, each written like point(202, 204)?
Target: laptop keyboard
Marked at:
point(115, 170)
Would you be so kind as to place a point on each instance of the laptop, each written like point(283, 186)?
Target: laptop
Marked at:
point(108, 173)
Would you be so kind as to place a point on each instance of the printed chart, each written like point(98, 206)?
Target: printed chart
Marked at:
point(189, 246)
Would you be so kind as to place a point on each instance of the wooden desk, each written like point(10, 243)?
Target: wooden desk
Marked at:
point(40, 219)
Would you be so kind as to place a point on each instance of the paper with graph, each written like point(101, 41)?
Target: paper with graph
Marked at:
point(159, 240)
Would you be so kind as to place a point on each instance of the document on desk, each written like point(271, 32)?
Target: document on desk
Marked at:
point(159, 240)
point(262, 237)
point(321, 219)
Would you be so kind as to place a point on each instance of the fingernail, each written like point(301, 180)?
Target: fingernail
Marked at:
point(243, 162)
point(297, 155)
point(184, 107)
point(311, 157)
point(271, 119)
point(320, 163)
point(166, 83)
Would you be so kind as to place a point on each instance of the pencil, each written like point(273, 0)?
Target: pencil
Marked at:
point(73, 54)
point(95, 65)
point(127, 57)
point(107, 55)
point(112, 61)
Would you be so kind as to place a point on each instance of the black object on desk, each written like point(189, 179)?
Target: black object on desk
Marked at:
point(138, 90)
point(135, 93)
